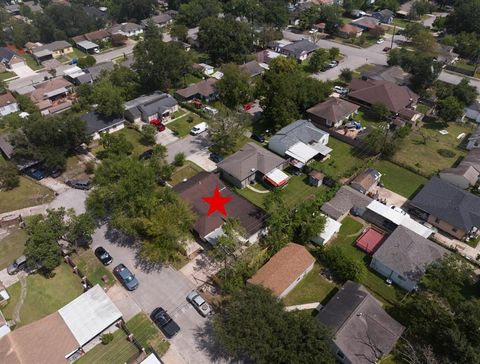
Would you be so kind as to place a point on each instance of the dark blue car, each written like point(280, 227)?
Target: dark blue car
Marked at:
point(37, 173)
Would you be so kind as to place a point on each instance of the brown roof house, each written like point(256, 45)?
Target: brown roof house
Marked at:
point(209, 228)
point(253, 163)
point(363, 332)
point(366, 181)
point(96, 36)
point(204, 90)
point(8, 104)
point(366, 23)
point(60, 337)
point(350, 31)
point(284, 270)
point(50, 96)
point(332, 112)
point(399, 100)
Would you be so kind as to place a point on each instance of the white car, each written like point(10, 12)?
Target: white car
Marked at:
point(199, 128)
point(340, 89)
point(313, 31)
point(199, 303)
point(380, 41)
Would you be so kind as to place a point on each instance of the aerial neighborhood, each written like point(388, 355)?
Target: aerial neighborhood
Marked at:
point(228, 181)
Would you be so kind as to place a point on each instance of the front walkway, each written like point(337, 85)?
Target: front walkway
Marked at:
point(256, 190)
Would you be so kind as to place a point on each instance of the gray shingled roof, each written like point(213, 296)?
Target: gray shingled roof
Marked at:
point(299, 131)
point(459, 208)
point(6, 54)
point(253, 68)
point(357, 321)
point(408, 253)
point(345, 199)
point(96, 122)
point(300, 46)
point(248, 160)
point(150, 104)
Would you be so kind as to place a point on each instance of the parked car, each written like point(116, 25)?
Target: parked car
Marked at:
point(387, 49)
point(199, 303)
point(103, 255)
point(37, 173)
point(333, 64)
point(313, 31)
point(341, 90)
point(126, 277)
point(258, 137)
point(146, 155)
point(380, 41)
point(217, 158)
point(17, 265)
point(210, 110)
point(57, 172)
point(199, 128)
point(164, 322)
point(79, 184)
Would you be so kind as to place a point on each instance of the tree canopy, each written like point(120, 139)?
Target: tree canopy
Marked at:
point(227, 132)
point(124, 10)
point(109, 98)
point(192, 12)
point(464, 17)
point(234, 88)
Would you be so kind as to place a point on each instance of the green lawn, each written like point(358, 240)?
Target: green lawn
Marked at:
point(312, 288)
point(6, 75)
point(28, 193)
point(44, 295)
point(89, 265)
point(77, 53)
point(342, 162)
point(31, 62)
point(422, 108)
point(182, 126)
point(188, 170)
point(120, 350)
point(191, 79)
point(133, 136)
point(398, 179)
point(347, 236)
point(12, 246)
point(402, 23)
point(420, 149)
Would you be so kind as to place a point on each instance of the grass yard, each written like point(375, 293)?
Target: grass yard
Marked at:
point(44, 295)
point(312, 288)
point(399, 22)
point(28, 193)
point(12, 246)
point(347, 236)
point(89, 265)
point(6, 75)
point(182, 126)
point(190, 78)
point(31, 62)
point(398, 179)
point(75, 168)
point(188, 170)
point(133, 136)
point(120, 350)
point(77, 53)
point(342, 161)
point(422, 108)
point(420, 150)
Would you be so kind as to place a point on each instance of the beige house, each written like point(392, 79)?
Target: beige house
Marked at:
point(52, 50)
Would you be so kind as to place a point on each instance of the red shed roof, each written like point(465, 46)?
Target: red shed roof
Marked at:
point(370, 240)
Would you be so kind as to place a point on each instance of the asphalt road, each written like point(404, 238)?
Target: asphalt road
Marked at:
point(160, 286)
point(189, 145)
point(111, 55)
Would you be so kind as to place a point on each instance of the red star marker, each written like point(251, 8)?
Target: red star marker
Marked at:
point(217, 202)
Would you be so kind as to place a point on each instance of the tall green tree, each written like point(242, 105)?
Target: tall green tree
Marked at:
point(319, 59)
point(80, 229)
point(124, 10)
point(464, 17)
point(109, 99)
point(449, 109)
point(227, 132)
point(234, 88)
point(9, 178)
point(193, 12)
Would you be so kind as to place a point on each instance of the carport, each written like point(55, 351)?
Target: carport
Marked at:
point(88, 47)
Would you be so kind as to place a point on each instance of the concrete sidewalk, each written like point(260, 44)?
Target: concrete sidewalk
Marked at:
point(7, 279)
point(306, 306)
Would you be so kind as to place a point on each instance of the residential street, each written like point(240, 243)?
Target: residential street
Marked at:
point(189, 145)
point(454, 78)
point(109, 56)
point(160, 286)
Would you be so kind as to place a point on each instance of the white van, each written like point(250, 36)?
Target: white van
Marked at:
point(199, 128)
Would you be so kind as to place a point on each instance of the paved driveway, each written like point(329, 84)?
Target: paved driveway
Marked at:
point(189, 145)
point(23, 71)
point(160, 286)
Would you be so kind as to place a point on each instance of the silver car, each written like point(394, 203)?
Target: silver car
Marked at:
point(17, 265)
point(199, 303)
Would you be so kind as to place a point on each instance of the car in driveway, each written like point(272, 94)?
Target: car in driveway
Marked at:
point(126, 277)
point(380, 41)
point(158, 124)
point(217, 158)
point(164, 322)
point(258, 137)
point(199, 303)
point(146, 155)
point(17, 265)
point(341, 90)
point(103, 256)
point(79, 184)
point(37, 173)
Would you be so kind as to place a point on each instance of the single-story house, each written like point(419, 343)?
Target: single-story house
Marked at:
point(394, 74)
point(254, 68)
point(366, 23)
point(6, 148)
point(88, 46)
point(474, 139)
point(266, 56)
point(160, 20)
point(366, 181)
point(332, 112)
point(399, 100)
point(331, 229)
point(473, 111)
point(463, 176)
point(97, 124)
point(385, 16)
point(447, 207)
point(91, 74)
point(344, 201)
point(126, 29)
point(101, 35)
point(209, 228)
point(300, 49)
point(277, 45)
point(446, 55)
point(145, 108)
point(8, 104)
point(362, 332)
point(284, 270)
point(404, 257)
point(253, 163)
point(9, 59)
point(96, 13)
point(390, 217)
point(300, 141)
point(204, 90)
point(52, 50)
point(51, 96)
point(350, 31)
point(63, 334)
point(12, 9)
point(34, 7)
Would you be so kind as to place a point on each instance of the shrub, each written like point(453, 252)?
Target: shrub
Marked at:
point(9, 178)
point(447, 153)
point(90, 167)
point(344, 267)
point(106, 338)
point(179, 159)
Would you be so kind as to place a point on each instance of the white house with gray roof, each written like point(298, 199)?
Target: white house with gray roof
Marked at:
point(300, 141)
point(145, 108)
point(300, 49)
point(404, 257)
